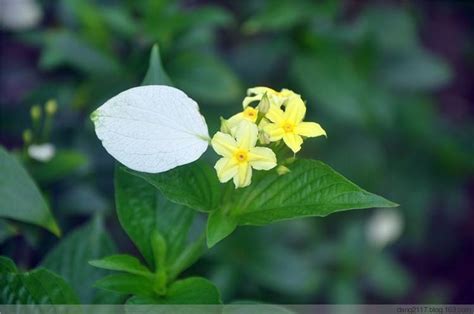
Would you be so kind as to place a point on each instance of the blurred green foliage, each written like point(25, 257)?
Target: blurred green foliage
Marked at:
point(367, 78)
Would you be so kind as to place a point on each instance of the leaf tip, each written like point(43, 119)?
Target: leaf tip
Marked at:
point(54, 228)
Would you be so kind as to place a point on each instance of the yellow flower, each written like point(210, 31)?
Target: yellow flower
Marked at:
point(240, 155)
point(289, 124)
point(249, 114)
point(276, 98)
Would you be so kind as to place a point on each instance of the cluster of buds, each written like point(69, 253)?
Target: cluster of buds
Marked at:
point(36, 139)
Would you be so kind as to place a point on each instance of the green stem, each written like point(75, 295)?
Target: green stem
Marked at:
point(188, 257)
point(159, 248)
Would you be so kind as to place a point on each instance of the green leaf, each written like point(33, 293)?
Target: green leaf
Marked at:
point(39, 286)
point(311, 188)
point(427, 72)
point(142, 210)
point(219, 226)
point(127, 284)
point(66, 48)
point(194, 290)
point(62, 164)
point(122, 262)
point(156, 75)
point(194, 185)
point(69, 259)
point(388, 277)
point(205, 78)
point(7, 265)
point(21, 198)
point(280, 16)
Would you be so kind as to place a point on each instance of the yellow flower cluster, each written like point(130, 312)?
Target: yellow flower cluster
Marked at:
point(278, 116)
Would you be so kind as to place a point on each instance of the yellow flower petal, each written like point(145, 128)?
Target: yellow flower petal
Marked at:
point(234, 121)
point(275, 115)
point(226, 169)
point(246, 134)
point(260, 90)
point(224, 144)
point(274, 132)
point(244, 175)
point(250, 99)
point(262, 158)
point(293, 141)
point(295, 110)
point(287, 93)
point(309, 129)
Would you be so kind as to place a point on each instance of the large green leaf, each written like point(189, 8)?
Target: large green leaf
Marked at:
point(194, 290)
point(194, 185)
point(21, 198)
point(311, 188)
point(142, 210)
point(69, 259)
point(39, 286)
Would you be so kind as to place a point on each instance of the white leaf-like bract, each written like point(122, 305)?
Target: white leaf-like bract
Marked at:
point(152, 128)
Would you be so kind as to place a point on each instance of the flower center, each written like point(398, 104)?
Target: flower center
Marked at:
point(251, 114)
point(241, 155)
point(288, 127)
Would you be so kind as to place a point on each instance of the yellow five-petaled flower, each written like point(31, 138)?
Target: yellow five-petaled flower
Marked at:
point(240, 154)
point(289, 126)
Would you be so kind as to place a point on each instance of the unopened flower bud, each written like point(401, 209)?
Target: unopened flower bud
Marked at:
point(264, 104)
point(35, 112)
point(27, 136)
point(51, 107)
point(263, 138)
point(282, 170)
point(224, 126)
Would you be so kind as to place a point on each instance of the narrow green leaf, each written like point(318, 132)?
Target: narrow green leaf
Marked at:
point(156, 75)
point(219, 226)
point(194, 185)
point(122, 262)
point(127, 284)
point(142, 210)
point(194, 290)
point(21, 198)
point(39, 286)
point(69, 259)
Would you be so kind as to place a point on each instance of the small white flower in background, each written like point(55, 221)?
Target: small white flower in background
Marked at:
point(384, 227)
point(19, 14)
point(152, 128)
point(42, 152)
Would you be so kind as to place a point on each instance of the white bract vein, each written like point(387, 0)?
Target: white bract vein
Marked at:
point(152, 128)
